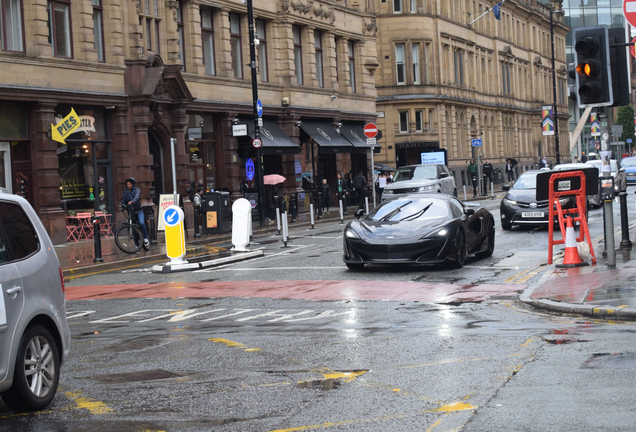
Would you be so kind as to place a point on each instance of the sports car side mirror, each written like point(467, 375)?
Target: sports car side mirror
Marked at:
point(359, 213)
point(505, 187)
point(470, 212)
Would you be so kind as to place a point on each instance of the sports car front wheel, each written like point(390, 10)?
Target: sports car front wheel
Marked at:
point(491, 244)
point(460, 249)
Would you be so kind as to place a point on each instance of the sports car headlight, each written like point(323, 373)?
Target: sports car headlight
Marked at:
point(442, 232)
point(425, 188)
point(349, 233)
point(509, 202)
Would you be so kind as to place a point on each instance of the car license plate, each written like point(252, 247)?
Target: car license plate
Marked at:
point(532, 214)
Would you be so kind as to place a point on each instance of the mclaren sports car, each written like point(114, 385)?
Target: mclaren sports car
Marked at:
point(420, 229)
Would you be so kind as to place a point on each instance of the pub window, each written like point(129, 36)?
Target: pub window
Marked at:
point(59, 23)
point(399, 63)
point(235, 41)
point(11, 24)
point(404, 121)
point(318, 48)
point(181, 35)
point(98, 31)
point(261, 35)
point(207, 34)
point(352, 66)
point(298, 54)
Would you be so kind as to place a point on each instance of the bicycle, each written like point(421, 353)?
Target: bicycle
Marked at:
point(129, 237)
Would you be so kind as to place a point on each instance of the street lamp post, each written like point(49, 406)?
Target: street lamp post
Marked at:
point(555, 9)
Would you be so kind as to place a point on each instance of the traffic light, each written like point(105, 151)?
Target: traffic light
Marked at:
point(618, 62)
point(593, 72)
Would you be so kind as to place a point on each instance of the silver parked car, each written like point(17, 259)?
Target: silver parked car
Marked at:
point(410, 179)
point(620, 179)
point(34, 333)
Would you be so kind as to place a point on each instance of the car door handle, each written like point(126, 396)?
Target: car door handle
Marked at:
point(14, 290)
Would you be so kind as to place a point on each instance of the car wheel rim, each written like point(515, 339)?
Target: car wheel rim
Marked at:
point(39, 366)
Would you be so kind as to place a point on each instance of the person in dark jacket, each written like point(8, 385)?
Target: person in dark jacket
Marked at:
point(131, 198)
point(341, 190)
point(487, 173)
point(359, 184)
point(326, 194)
point(510, 170)
point(473, 171)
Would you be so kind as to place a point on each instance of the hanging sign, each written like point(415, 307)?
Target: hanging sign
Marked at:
point(596, 127)
point(249, 169)
point(548, 120)
point(66, 127)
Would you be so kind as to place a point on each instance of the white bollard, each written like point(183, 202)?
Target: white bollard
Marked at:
point(492, 190)
point(465, 193)
point(311, 214)
point(285, 230)
point(278, 220)
point(241, 224)
point(366, 204)
point(341, 214)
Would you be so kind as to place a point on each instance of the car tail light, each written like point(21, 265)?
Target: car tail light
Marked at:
point(62, 280)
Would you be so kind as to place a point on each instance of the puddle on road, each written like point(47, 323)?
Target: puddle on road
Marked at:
point(564, 341)
point(625, 360)
point(323, 384)
point(127, 377)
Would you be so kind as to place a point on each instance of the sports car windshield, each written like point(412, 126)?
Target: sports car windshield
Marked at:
point(526, 182)
point(409, 209)
point(426, 172)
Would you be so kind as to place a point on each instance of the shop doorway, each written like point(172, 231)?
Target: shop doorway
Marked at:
point(156, 150)
point(5, 166)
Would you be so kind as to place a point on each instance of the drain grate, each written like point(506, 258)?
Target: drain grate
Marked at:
point(150, 375)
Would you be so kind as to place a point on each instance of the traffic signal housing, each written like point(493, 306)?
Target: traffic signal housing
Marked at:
point(593, 70)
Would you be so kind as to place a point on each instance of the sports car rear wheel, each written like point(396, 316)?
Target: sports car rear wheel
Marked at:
point(460, 249)
point(355, 266)
point(491, 244)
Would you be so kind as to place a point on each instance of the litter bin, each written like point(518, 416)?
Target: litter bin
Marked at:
point(497, 175)
point(216, 212)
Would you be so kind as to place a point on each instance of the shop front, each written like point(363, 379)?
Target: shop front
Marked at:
point(411, 153)
point(15, 150)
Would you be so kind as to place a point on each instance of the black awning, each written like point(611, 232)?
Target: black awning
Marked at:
point(327, 137)
point(274, 139)
point(353, 132)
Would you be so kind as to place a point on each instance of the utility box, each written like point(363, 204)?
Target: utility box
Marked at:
point(216, 212)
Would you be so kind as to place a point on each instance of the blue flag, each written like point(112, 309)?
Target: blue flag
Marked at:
point(496, 9)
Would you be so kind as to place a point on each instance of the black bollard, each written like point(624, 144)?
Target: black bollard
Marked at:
point(319, 202)
point(97, 239)
point(152, 228)
point(294, 207)
point(625, 241)
point(197, 213)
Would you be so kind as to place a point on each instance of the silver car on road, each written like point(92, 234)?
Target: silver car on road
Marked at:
point(34, 333)
point(431, 178)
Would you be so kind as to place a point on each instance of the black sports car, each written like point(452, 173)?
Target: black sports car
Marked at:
point(420, 229)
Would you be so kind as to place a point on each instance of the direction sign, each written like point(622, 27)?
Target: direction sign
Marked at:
point(477, 142)
point(629, 140)
point(629, 10)
point(370, 130)
point(257, 142)
point(171, 216)
point(259, 108)
point(175, 241)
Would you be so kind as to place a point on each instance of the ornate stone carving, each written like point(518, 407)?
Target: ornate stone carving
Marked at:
point(172, 4)
point(370, 27)
point(328, 13)
point(306, 8)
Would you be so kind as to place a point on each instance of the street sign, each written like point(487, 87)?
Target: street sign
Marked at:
point(259, 108)
point(629, 140)
point(259, 121)
point(239, 130)
point(629, 10)
point(477, 142)
point(605, 136)
point(371, 141)
point(370, 130)
point(175, 240)
point(597, 145)
point(617, 129)
point(257, 142)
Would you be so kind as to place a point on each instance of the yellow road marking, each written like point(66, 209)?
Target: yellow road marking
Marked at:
point(230, 343)
point(457, 406)
point(92, 405)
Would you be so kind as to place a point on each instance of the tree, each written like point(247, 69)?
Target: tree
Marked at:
point(626, 118)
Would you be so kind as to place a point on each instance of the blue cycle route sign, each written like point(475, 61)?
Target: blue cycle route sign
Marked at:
point(259, 108)
point(171, 217)
point(477, 142)
point(249, 169)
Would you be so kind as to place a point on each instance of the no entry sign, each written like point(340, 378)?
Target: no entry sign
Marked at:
point(629, 10)
point(371, 130)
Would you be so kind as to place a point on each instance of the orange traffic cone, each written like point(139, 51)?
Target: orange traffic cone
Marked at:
point(571, 258)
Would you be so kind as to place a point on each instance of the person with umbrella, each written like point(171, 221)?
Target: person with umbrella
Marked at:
point(270, 181)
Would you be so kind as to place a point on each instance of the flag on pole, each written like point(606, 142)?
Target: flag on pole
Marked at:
point(496, 9)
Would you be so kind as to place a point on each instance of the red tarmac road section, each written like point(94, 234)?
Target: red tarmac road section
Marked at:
point(305, 290)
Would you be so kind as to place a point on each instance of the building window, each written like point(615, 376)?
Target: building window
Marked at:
point(235, 41)
point(419, 121)
point(399, 63)
point(505, 77)
point(207, 33)
point(261, 35)
point(11, 25)
point(150, 21)
point(431, 119)
point(397, 6)
point(318, 50)
point(298, 55)
point(336, 42)
point(352, 66)
point(427, 64)
point(416, 63)
point(413, 6)
point(404, 121)
point(59, 28)
point(98, 31)
point(181, 35)
point(157, 38)
point(459, 68)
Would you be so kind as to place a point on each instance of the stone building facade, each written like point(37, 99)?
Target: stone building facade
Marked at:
point(139, 73)
point(445, 82)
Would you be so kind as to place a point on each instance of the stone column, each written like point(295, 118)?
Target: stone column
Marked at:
point(227, 157)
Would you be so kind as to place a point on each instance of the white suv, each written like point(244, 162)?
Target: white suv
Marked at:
point(412, 179)
point(34, 334)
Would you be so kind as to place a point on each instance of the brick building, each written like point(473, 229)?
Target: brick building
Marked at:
point(140, 73)
point(444, 82)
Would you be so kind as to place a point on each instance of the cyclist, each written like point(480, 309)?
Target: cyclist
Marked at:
point(131, 198)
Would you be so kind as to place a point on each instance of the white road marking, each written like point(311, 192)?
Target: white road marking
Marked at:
point(181, 315)
point(78, 314)
point(228, 315)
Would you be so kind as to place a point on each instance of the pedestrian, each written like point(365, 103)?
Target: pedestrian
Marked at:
point(544, 163)
point(131, 198)
point(583, 157)
point(341, 189)
point(381, 185)
point(326, 194)
point(473, 171)
point(509, 170)
point(576, 158)
point(359, 184)
point(487, 173)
